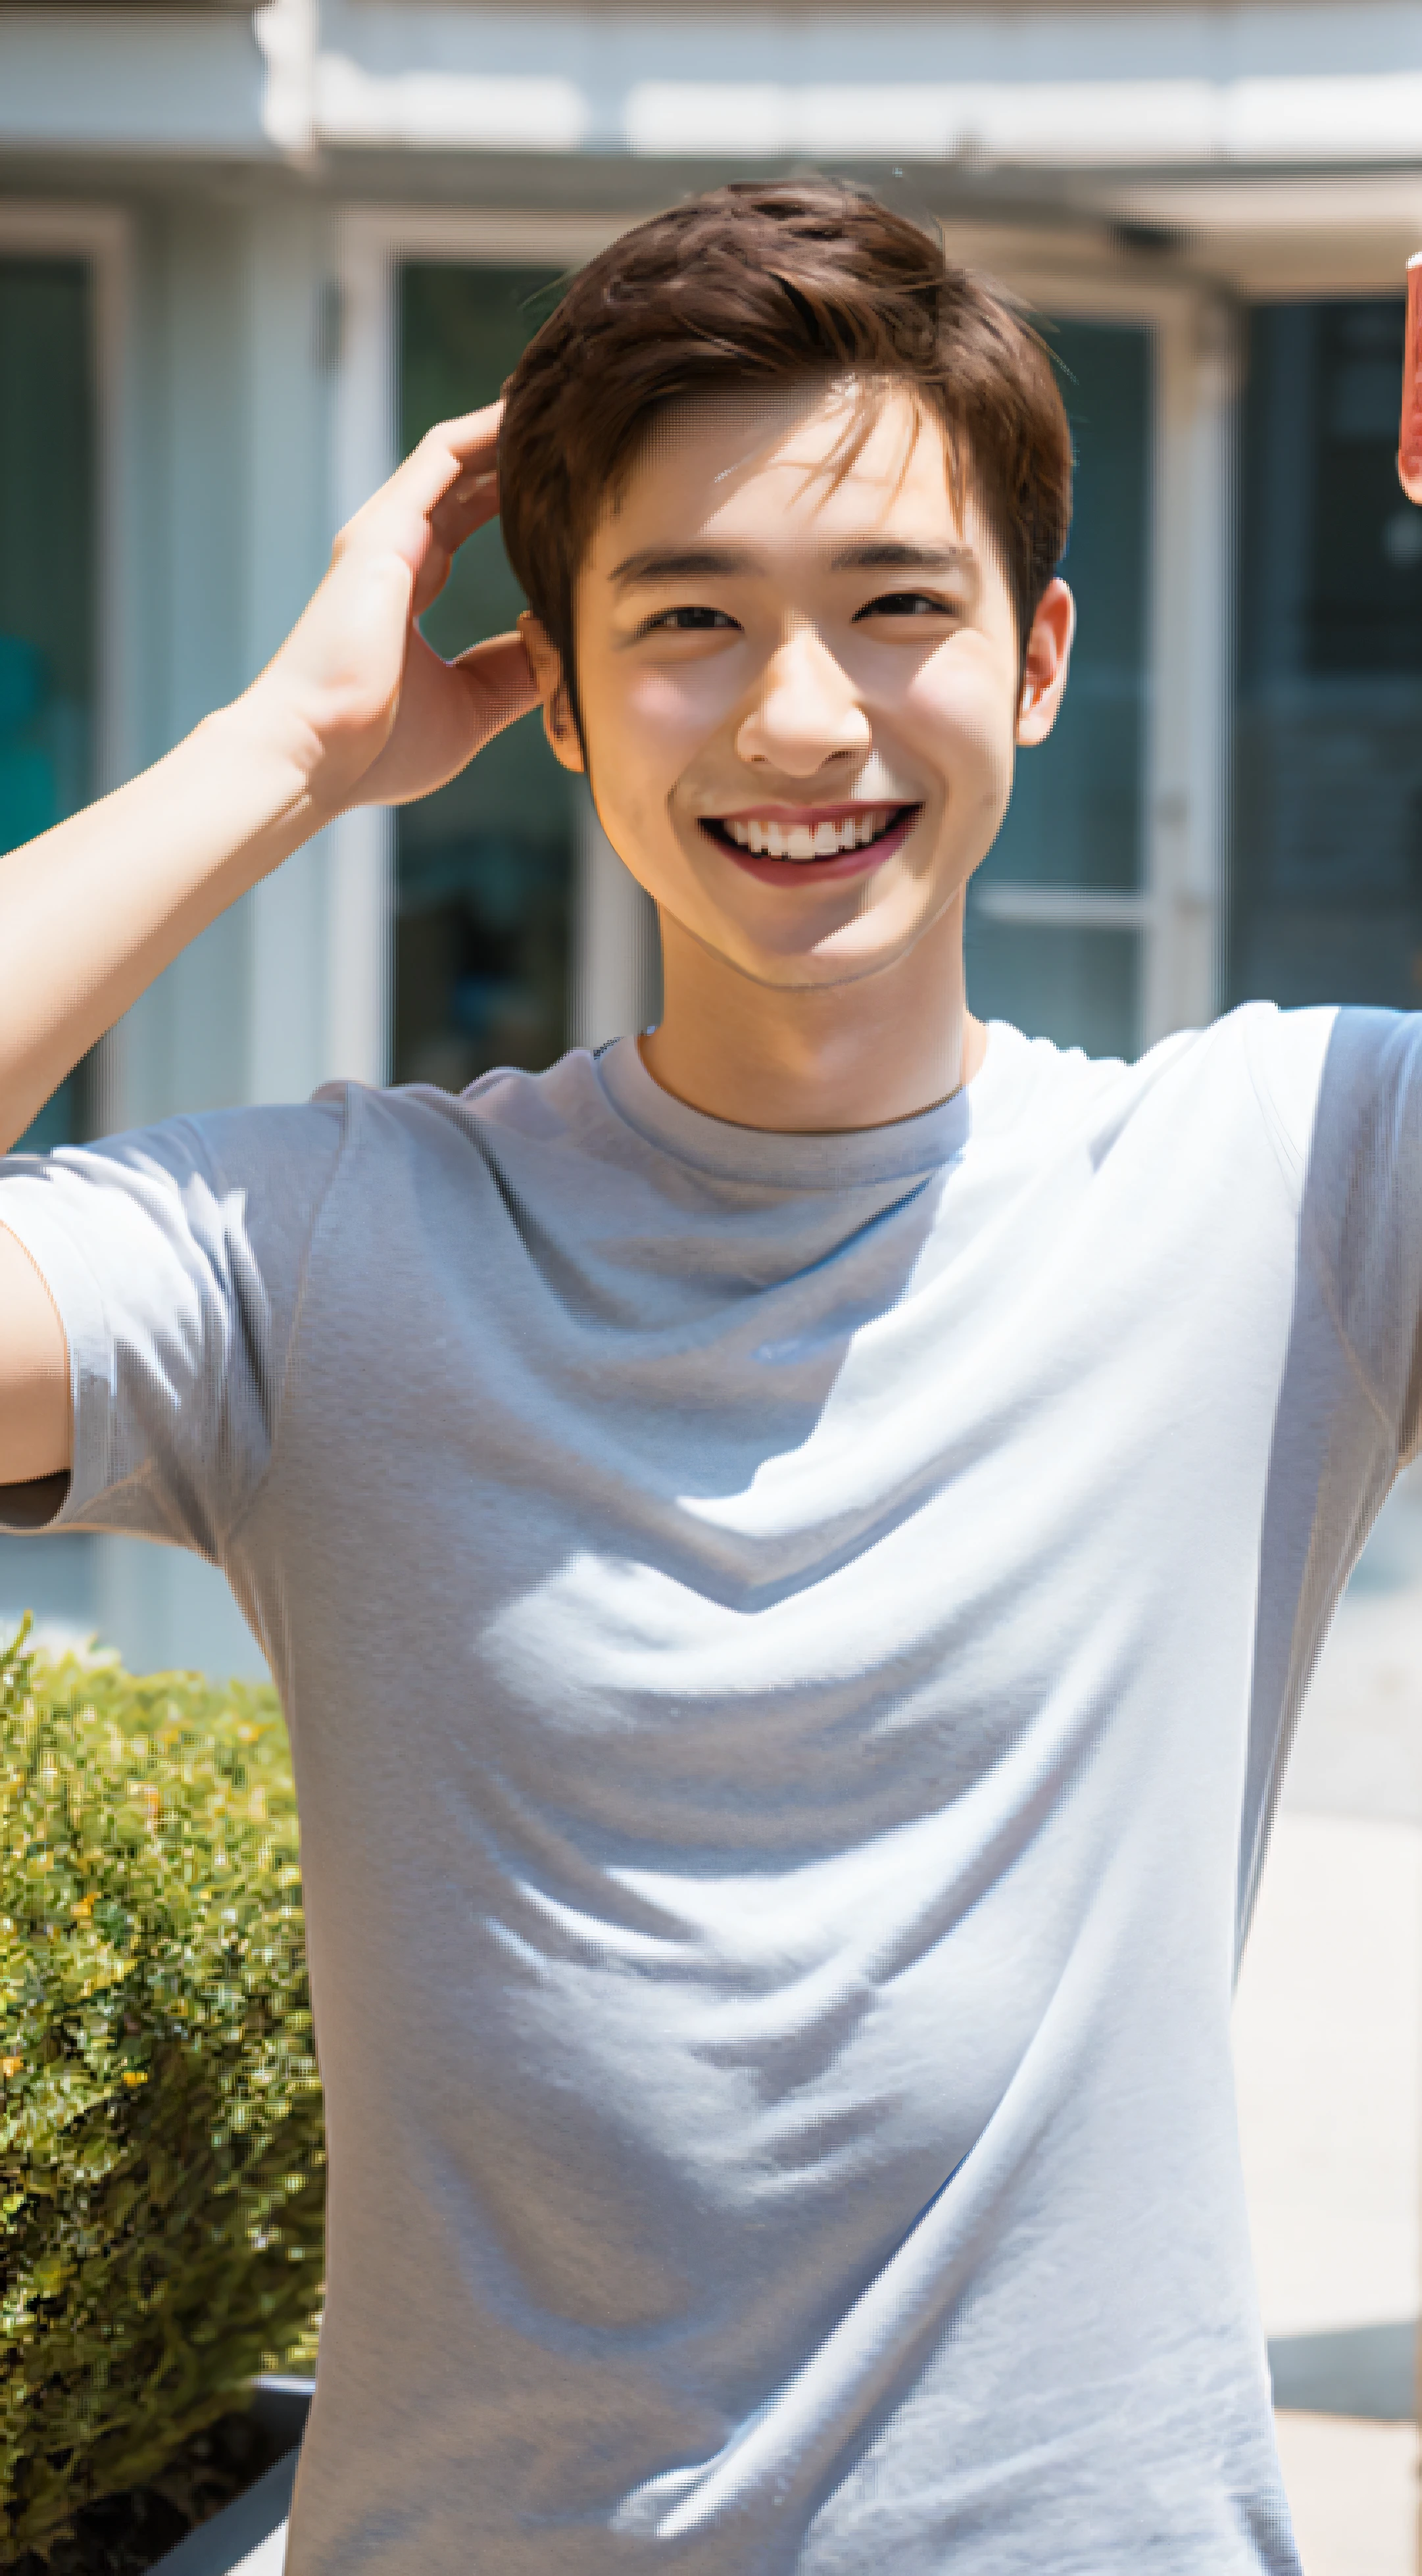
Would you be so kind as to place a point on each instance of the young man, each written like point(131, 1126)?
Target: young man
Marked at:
point(792, 1549)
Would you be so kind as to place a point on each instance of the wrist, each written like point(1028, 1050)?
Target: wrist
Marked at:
point(276, 761)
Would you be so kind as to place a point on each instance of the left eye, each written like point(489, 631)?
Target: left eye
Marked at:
point(903, 603)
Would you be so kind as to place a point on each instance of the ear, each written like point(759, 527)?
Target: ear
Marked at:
point(1045, 662)
point(546, 664)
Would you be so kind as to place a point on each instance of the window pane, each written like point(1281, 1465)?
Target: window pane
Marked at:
point(484, 868)
point(1326, 901)
point(47, 541)
point(1075, 985)
point(1076, 817)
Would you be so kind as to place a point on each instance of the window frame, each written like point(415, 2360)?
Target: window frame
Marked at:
point(1178, 912)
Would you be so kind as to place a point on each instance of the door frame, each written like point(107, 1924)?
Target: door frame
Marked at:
point(372, 243)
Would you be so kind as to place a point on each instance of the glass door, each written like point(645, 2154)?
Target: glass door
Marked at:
point(1326, 898)
point(1057, 913)
point(48, 546)
point(485, 869)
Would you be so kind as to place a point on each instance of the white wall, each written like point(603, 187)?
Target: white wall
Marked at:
point(235, 397)
point(1058, 87)
point(158, 81)
point(230, 395)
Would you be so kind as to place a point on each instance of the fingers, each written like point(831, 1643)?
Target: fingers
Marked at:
point(454, 462)
point(499, 678)
point(448, 711)
point(468, 504)
point(1409, 443)
point(474, 437)
point(445, 489)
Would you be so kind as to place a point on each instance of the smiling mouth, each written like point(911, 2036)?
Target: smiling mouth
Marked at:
point(833, 836)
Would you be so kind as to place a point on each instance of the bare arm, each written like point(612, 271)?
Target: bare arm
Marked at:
point(1409, 436)
point(36, 1430)
point(355, 709)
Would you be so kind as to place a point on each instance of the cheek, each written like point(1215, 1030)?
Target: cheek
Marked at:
point(647, 731)
point(668, 713)
point(667, 707)
point(965, 714)
point(641, 736)
point(686, 705)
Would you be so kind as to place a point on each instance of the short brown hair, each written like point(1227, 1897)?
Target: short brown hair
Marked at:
point(767, 283)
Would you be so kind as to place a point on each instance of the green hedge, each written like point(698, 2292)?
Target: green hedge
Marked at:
point(161, 2159)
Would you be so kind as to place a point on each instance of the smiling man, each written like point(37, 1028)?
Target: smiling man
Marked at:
point(804, 729)
point(792, 1548)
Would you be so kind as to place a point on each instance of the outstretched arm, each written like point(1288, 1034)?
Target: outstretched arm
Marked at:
point(36, 1423)
point(1409, 437)
point(354, 709)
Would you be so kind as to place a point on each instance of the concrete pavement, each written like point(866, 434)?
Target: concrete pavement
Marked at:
point(1328, 2029)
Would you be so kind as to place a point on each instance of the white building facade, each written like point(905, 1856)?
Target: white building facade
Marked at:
point(245, 258)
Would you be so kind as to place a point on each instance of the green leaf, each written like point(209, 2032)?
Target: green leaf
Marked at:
point(161, 2240)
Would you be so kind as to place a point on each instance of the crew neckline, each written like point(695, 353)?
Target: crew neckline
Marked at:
point(901, 1149)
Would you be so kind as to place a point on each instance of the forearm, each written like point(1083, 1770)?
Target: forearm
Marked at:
point(94, 910)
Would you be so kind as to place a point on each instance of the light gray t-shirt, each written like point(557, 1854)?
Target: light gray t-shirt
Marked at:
point(789, 1644)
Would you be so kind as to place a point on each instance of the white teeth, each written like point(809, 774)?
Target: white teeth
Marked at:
point(801, 841)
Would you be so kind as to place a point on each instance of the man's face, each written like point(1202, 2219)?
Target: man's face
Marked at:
point(801, 687)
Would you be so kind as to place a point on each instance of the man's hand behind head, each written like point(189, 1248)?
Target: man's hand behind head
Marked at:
point(366, 708)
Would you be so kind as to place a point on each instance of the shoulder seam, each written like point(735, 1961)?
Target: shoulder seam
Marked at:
point(1291, 1162)
point(1294, 1166)
point(1311, 1249)
point(241, 1518)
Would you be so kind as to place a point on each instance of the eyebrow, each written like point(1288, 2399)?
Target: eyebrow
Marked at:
point(891, 554)
point(681, 563)
point(872, 554)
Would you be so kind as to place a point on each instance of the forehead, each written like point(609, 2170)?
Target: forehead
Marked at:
point(801, 459)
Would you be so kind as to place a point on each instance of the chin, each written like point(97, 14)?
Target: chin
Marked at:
point(839, 959)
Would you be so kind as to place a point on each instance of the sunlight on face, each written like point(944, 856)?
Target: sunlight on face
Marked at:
point(799, 680)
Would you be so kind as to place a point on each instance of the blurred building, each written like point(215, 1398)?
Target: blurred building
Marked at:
point(246, 256)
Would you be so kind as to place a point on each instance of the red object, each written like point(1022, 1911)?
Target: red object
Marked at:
point(1409, 444)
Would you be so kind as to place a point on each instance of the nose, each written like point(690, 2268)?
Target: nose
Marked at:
point(806, 711)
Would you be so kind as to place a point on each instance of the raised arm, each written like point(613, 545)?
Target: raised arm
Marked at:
point(36, 1423)
point(354, 709)
point(1409, 436)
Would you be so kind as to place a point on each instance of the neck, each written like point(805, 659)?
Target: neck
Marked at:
point(805, 1060)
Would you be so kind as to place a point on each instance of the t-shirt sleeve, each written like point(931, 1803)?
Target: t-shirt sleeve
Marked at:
point(176, 1257)
point(1346, 1086)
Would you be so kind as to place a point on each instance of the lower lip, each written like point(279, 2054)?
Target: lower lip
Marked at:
point(813, 872)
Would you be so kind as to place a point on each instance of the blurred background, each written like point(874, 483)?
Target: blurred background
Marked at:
point(246, 256)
